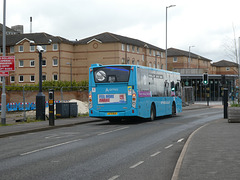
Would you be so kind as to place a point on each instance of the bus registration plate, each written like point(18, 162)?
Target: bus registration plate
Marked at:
point(112, 113)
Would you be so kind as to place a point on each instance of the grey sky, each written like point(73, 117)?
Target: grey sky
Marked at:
point(206, 24)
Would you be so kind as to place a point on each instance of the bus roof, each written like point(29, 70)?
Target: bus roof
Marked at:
point(137, 66)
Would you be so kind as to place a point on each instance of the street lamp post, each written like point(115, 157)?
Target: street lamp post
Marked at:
point(3, 96)
point(40, 98)
point(189, 57)
point(166, 32)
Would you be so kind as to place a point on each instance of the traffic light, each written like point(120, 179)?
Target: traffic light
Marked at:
point(205, 79)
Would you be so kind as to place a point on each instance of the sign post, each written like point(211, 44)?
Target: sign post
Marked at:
point(7, 63)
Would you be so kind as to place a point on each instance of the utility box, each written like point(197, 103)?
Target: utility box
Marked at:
point(73, 109)
point(66, 110)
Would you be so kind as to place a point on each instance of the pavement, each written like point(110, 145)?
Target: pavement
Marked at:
point(211, 152)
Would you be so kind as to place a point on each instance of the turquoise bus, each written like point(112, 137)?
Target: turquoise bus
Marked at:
point(119, 92)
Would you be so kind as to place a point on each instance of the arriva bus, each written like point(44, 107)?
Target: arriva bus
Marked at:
point(123, 91)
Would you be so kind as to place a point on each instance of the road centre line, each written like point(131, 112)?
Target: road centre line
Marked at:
point(155, 154)
point(167, 147)
point(112, 131)
point(114, 177)
point(137, 164)
point(49, 147)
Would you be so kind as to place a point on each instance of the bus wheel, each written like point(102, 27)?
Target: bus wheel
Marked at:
point(173, 109)
point(153, 113)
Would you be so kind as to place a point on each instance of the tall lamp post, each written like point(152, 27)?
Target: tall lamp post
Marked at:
point(189, 56)
point(40, 98)
point(3, 96)
point(166, 32)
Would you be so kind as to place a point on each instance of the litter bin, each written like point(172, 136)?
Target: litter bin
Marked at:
point(66, 110)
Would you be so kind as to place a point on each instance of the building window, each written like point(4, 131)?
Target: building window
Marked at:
point(150, 64)
point(44, 77)
point(137, 62)
point(123, 61)
point(21, 64)
point(44, 62)
point(32, 78)
point(227, 68)
point(142, 57)
point(12, 79)
point(21, 78)
point(162, 66)
point(133, 48)
point(150, 52)
point(128, 61)
point(44, 47)
point(20, 48)
point(133, 61)
point(55, 62)
point(1, 50)
point(153, 53)
point(55, 47)
point(158, 65)
point(32, 48)
point(175, 59)
point(161, 54)
point(32, 63)
point(12, 49)
point(137, 49)
point(55, 77)
point(123, 47)
point(1, 79)
point(128, 49)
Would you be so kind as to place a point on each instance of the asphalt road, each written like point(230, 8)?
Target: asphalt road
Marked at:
point(102, 151)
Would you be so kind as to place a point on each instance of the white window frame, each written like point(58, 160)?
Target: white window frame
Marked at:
point(11, 79)
point(20, 63)
point(44, 79)
point(31, 78)
point(12, 50)
point(55, 47)
point(154, 54)
point(143, 57)
point(31, 63)
point(32, 48)
point(44, 60)
point(54, 78)
point(175, 59)
point(55, 59)
point(20, 78)
point(20, 48)
point(137, 49)
point(128, 48)
point(44, 47)
point(133, 48)
point(123, 47)
point(227, 68)
point(150, 52)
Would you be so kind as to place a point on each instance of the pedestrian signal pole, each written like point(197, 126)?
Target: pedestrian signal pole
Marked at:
point(205, 83)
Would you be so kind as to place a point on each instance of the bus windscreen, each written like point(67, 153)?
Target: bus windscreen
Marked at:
point(111, 74)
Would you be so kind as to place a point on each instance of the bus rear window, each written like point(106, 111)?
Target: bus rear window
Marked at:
point(111, 74)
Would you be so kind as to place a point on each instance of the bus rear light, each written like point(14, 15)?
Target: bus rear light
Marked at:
point(134, 99)
point(90, 100)
point(91, 111)
point(133, 111)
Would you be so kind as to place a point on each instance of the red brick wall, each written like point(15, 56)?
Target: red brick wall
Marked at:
point(30, 96)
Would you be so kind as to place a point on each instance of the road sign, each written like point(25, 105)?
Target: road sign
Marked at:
point(7, 63)
point(4, 73)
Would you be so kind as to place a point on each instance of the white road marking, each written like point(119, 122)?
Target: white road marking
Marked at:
point(135, 165)
point(49, 147)
point(112, 131)
point(180, 140)
point(169, 146)
point(114, 177)
point(155, 154)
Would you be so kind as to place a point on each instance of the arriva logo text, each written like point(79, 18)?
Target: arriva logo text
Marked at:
point(165, 102)
point(111, 89)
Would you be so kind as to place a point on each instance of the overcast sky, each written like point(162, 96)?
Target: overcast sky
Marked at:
point(207, 24)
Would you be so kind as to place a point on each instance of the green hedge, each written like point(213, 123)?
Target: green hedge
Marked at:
point(46, 85)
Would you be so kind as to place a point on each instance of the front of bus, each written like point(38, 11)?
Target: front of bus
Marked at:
point(111, 91)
